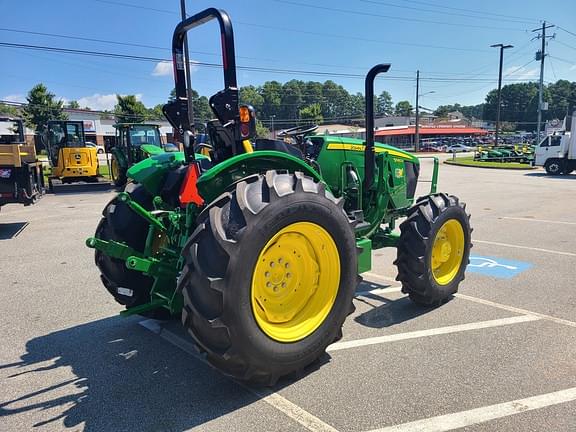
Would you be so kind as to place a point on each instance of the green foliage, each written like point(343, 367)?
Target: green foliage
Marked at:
point(130, 110)
point(42, 107)
point(261, 130)
point(200, 107)
point(403, 108)
point(384, 105)
point(73, 105)
point(9, 110)
point(312, 114)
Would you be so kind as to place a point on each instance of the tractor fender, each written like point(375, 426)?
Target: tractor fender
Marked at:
point(218, 179)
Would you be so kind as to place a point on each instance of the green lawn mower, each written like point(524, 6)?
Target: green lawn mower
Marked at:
point(259, 247)
point(134, 142)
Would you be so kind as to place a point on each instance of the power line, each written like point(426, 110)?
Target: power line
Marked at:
point(467, 10)
point(370, 14)
point(216, 65)
point(567, 31)
point(566, 45)
point(420, 9)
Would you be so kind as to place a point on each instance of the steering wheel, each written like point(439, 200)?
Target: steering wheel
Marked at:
point(297, 131)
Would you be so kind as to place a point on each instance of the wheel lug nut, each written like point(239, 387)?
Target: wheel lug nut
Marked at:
point(271, 263)
point(287, 265)
point(288, 275)
point(283, 284)
point(267, 274)
point(268, 284)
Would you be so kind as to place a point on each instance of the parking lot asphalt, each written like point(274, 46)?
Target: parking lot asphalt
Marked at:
point(500, 356)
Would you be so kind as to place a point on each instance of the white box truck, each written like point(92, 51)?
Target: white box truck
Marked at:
point(557, 152)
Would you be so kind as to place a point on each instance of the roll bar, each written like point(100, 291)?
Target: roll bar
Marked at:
point(369, 160)
point(177, 112)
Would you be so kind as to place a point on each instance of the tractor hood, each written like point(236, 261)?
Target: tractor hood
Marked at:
point(357, 145)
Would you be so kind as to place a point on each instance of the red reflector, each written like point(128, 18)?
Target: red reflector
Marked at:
point(6, 195)
point(188, 190)
point(244, 130)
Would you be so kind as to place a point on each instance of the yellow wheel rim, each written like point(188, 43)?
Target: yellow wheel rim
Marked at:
point(447, 252)
point(115, 168)
point(295, 282)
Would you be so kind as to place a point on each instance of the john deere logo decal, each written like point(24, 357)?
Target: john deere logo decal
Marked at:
point(399, 172)
point(77, 156)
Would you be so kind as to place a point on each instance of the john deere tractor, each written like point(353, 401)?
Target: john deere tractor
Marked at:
point(134, 142)
point(259, 249)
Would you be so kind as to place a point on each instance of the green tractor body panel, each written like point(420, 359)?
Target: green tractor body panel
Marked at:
point(151, 149)
point(151, 171)
point(219, 178)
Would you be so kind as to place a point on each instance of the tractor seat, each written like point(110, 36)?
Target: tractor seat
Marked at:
point(278, 145)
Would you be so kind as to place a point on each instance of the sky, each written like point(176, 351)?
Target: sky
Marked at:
point(448, 41)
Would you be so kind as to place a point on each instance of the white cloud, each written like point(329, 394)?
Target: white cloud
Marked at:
point(98, 101)
point(101, 102)
point(15, 98)
point(164, 68)
point(573, 67)
point(520, 72)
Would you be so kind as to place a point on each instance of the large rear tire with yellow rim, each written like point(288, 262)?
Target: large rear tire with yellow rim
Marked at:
point(434, 249)
point(269, 277)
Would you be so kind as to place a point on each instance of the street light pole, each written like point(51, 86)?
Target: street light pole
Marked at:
point(417, 126)
point(273, 131)
point(502, 48)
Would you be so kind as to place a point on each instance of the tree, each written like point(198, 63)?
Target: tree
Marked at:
point(403, 108)
point(9, 110)
point(250, 95)
point(42, 107)
point(200, 107)
point(73, 105)
point(128, 109)
point(261, 130)
point(271, 94)
point(312, 113)
point(519, 104)
point(384, 105)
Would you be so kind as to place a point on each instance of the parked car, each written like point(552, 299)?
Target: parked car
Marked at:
point(99, 148)
point(458, 148)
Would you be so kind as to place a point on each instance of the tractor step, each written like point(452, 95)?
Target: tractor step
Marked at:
point(57, 186)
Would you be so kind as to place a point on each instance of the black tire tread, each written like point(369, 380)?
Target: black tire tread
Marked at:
point(416, 239)
point(207, 256)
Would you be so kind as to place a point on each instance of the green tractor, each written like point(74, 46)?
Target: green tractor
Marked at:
point(134, 142)
point(259, 248)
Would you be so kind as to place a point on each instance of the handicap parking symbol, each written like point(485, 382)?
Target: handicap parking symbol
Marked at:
point(496, 267)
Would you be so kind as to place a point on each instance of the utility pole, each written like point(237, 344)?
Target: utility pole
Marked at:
point(417, 126)
point(540, 56)
point(272, 117)
point(502, 48)
point(187, 68)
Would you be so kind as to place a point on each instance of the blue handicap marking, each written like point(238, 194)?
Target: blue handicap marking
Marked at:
point(497, 267)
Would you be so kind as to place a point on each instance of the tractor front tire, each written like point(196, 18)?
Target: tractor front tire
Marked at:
point(117, 172)
point(433, 249)
point(128, 287)
point(269, 277)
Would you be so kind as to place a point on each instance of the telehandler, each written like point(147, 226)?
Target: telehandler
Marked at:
point(260, 254)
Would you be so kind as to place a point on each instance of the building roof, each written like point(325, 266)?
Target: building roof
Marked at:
point(426, 130)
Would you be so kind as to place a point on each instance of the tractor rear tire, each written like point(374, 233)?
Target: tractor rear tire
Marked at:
point(128, 287)
point(234, 254)
point(433, 249)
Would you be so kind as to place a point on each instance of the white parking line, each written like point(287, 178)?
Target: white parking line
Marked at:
point(538, 220)
point(479, 415)
point(377, 291)
point(296, 413)
point(516, 310)
point(525, 247)
point(431, 332)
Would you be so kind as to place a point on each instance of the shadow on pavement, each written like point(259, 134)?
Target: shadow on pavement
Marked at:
point(558, 177)
point(391, 312)
point(119, 377)
point(11, 230)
